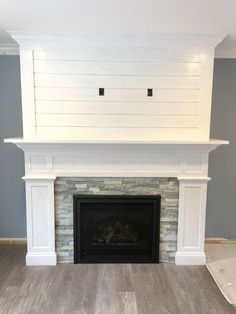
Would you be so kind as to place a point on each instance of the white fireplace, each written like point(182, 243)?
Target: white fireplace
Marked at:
point(152, 120)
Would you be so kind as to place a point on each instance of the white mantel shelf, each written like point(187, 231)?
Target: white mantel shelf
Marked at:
point(35, 144)
point(144, 142)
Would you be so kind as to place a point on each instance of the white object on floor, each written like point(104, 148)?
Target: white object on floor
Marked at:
point(221, 263)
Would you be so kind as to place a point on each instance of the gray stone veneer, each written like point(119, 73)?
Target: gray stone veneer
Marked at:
point(65, 188)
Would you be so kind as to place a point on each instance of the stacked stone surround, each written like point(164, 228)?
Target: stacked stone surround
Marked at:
point(65, 188)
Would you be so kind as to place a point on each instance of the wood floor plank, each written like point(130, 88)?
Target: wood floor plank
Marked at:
point(105, 288)
point(124, 280)
point(83, 285)
point(11, 256)
point(128, 303)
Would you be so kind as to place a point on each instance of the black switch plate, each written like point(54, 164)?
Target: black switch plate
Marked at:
point(149, 92)
point(101, 91)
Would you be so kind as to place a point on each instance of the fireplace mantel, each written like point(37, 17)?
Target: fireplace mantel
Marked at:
point(71, 130)
point(116, 158)
point(47, 159)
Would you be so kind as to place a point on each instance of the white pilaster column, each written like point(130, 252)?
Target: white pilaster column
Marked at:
point(191, 221)
point(40, 220)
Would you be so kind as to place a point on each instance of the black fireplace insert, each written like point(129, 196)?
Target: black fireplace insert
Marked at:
point(116, 229)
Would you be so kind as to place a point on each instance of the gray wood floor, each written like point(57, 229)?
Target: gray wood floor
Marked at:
point(105, 289)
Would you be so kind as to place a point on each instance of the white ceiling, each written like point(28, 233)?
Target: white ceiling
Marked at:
point(185, 16)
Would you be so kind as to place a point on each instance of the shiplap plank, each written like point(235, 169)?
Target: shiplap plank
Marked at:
point(68, 103)
point(91, 94)
point(116, 107)
point(116, 68)
point(128, 54)
point(143, 121)
point(88, 133)
point(108, 81)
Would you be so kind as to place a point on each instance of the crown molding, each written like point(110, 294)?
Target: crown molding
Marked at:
point(36, 39)
point(9, 49)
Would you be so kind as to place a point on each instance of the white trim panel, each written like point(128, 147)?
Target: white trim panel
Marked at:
point(40, 220)
point(191, 220)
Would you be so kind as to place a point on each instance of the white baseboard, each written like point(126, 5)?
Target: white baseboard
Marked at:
point(190, 258)
point(36, 259)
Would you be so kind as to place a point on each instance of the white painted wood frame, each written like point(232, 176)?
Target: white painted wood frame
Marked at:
point(69, 130)
point(62, 73)
point(191, 221)
point(46, 160)
point(40, 221)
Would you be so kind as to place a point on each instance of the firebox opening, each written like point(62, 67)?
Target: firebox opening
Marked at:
point(116, 229)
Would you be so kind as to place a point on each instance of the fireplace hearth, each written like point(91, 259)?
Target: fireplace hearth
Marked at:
point(116, 229)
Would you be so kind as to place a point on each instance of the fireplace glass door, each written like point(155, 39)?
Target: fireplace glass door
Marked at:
point(116, 228)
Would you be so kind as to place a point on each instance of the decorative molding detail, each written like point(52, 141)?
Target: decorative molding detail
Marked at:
point(36, 259)
point(194, 179)
point(21, 141)
point(42, 177)
point(189, 258)
point(167, 39)
point(51, 159)
point(9, 49)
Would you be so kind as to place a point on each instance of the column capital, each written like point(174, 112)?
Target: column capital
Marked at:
point(39, 178)
point(185, 179)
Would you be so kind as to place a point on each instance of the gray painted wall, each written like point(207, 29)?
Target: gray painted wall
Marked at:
point(221, 211)
point(12, 198)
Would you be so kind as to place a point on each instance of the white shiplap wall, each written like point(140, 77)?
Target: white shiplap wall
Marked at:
point(67, 77)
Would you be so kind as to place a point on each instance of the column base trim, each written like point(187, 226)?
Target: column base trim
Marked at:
point(39, 259)
point(190, 258)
